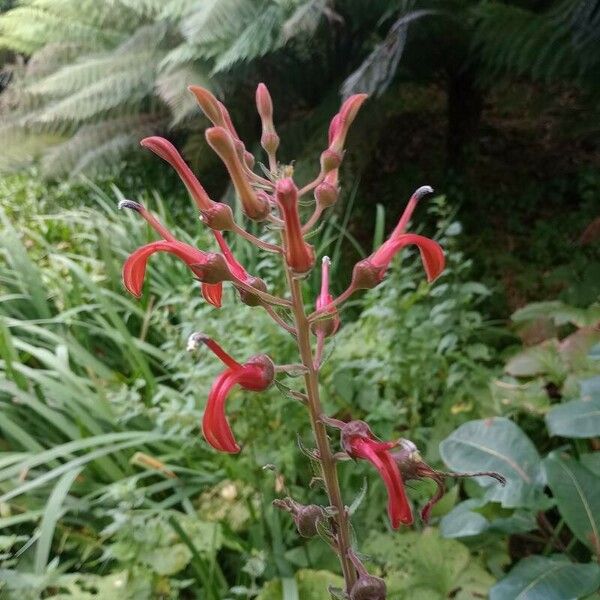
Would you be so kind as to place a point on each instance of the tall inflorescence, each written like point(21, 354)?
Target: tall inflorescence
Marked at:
point(274, 199)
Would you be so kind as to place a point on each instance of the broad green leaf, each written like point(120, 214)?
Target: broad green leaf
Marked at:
point(576, 419)
point(590, 388)
point(310, 585)
point(497, 445)
point(424, 565)
point(553, 578)
point(577, 493)
point(473, 517)
point(559, 312)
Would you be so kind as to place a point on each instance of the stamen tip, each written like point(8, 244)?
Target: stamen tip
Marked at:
point(326, 260)
point(132, 205)
point(423, 191)
point(195, 340)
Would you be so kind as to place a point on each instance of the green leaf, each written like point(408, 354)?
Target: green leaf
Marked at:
point(576, 490)
point(310, 584)
point(52, 514)
point(476, 516)
point(590, 388)
point(576, 419)
point(497, 445)
point(541, 578)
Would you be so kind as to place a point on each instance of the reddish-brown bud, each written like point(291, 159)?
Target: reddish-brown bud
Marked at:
point(299, 255)
point(366, 275)
point(214, 269)
point(247, 297)
point(368, 587)
point(210, 106)
point(220, 140)
point(218, 217)
point(306, 517)
point(326, 194)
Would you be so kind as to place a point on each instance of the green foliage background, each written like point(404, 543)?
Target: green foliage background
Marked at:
point(106, 487)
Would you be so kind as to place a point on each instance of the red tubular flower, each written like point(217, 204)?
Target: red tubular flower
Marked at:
point(208, 267)
point(359, 442)
point(340, 124)
point(221, 141)
point(370, 271)
point(299, 255)
point(329, 324)
point(212, 292)
point(256, 375)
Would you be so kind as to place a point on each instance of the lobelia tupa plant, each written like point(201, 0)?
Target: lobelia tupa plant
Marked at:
point(274, 200)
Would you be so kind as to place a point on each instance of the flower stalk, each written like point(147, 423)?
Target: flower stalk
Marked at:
point(275, 201)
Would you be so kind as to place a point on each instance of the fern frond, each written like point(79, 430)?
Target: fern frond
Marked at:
point(32, 28)
point(376, 72)
point(172, 86)
point(99, 144)
point(261, 36)
point(305, 19)
point(213, 21)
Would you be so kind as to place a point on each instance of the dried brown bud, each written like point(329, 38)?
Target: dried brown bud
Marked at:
point(368, 587)
point(247, 297)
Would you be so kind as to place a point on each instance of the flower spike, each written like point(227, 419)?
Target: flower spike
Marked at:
point(256, 374)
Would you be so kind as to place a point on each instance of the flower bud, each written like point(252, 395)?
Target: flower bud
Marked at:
point(247, 297)
point(326, 194)
point(222, 143)
point(366, 275)
point(368, 587)
point(299, 255)
point(214, 269)
point(270, 142)
point(330, 160)
point(264, 104)
point(306, 517)
point(209, 104)
point(218, 217)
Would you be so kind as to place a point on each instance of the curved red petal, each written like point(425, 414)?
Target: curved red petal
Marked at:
point(432, 254)
point(134, 269)
point(398, 508)
point(235, 267)
point(163, 148)
point(215, 428)
point(213, 293)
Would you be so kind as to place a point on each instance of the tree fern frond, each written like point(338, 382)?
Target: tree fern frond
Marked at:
point(180, 55)
point(175, 10)
point(49, 58)
point(376, 72)
point(99, 143)
point(260, 37)
point(305, 19)
point(172, 89)
point(33, 28)
point(213, 21)
point(116, 90)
